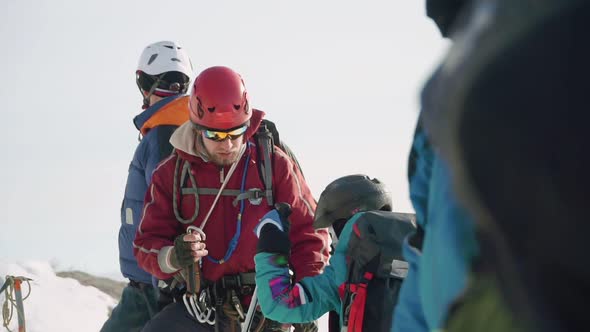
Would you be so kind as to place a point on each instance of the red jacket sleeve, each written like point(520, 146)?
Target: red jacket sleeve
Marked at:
point(309, 248)
point(155, 235)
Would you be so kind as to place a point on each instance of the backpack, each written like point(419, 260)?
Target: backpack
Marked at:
point(375, 270)
point(266, 137)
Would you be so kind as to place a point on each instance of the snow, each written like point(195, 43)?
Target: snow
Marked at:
point(57, 304)
point(63, 304)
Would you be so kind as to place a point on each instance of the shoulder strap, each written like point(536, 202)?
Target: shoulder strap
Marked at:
point(265, 146)
point(267, 138)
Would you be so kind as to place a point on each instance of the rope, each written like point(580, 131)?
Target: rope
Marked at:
point(229, 174)
point(11, 288)
point(233, 243)
point(176, 199)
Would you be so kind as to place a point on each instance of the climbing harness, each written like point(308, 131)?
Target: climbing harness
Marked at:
point(14, 299)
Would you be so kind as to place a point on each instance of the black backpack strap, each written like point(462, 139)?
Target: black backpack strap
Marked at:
point(267, 138)
point(265, 147)
point(282, 145)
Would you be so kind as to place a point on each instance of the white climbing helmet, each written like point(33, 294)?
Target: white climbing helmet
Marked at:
point(164, 56)
point(164, 69)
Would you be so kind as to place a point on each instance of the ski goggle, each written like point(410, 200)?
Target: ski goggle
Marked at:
point(219, 136)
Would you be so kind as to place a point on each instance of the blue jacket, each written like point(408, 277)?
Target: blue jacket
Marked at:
point(442, 249)
point(156, 124)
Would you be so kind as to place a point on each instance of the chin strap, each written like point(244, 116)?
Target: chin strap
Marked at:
point(146, 97)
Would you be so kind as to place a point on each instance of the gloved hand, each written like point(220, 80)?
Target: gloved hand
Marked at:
point(188, 249)
point(273, 230)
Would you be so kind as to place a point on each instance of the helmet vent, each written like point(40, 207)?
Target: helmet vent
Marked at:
point(152, 58)
point(211, 109)
point(200, 111)
point(237, 107)
point(175, 59)
point(169, 46)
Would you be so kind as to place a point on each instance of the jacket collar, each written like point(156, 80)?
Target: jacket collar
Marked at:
point(171, 110)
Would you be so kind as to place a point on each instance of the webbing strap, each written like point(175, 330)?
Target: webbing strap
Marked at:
point(358, 304)
point(265, 142)
point(268, 176)
point(252, 195)
point(245, 279)
point(210, 191)
point(248, 278)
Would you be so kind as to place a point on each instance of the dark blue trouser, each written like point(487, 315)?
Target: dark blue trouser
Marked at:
point(175, 317)
point(133, 311)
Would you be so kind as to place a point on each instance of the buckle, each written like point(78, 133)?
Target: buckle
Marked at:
point(233, 281)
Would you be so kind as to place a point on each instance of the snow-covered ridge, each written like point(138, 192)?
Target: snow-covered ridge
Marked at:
point(60, 303)
point(57, 303)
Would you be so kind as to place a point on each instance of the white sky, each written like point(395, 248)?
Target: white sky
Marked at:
point(340, 78)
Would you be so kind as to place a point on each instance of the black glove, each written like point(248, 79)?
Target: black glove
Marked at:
point(273, 230)
point(182, 255)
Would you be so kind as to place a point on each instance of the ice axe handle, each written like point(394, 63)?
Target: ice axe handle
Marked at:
point(247, 324)
point(192, 282)
point(191, 279)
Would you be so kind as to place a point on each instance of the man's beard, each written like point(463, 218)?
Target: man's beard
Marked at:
point(216, 158)
point(223, 161)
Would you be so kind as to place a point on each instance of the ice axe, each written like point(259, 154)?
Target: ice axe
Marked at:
point(14, 299)
point(191, 297)
point(247, 324)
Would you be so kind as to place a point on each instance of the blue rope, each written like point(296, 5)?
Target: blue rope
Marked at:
point(233, 243)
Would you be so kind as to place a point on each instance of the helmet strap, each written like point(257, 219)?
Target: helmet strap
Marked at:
point(146, 97)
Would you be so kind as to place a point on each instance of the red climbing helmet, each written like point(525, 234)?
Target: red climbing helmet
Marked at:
point(219, 99)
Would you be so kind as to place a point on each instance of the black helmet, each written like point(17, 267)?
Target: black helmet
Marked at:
point(348, 195)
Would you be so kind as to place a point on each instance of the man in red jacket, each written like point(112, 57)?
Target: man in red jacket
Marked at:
point(213, 183)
